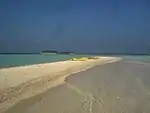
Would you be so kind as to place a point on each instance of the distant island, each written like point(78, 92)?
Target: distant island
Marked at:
point(50, 52)
point(66, 53)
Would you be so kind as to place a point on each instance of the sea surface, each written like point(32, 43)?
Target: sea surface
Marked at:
point(14, 60)
point(142, 58)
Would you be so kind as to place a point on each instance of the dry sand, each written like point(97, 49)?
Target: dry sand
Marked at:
point(120, 87)
point(19, 83)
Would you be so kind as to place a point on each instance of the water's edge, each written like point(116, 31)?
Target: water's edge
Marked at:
point(39, 85)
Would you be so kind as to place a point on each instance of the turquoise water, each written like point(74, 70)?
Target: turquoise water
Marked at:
point(143, 58)
point(20, 60)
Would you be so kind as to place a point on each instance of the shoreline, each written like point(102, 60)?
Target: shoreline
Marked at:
point(12, 95)
point(31, 65)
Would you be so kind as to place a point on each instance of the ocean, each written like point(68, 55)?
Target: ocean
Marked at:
point(140, 58)
point(14, 60)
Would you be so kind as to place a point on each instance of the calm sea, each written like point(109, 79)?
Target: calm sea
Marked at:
point(26, 59)
point(142, 58)
point(20, 60)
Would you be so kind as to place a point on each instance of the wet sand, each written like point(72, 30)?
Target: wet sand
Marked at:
point(20, 83)
point(120, 87)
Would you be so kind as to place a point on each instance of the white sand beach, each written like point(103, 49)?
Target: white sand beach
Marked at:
point(18, 83)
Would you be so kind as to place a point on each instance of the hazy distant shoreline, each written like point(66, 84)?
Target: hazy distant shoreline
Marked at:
point(80, 53)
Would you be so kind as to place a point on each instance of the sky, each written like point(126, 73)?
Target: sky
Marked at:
point(96, 26)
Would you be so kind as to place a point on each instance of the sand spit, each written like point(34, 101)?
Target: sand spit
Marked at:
point(20, 83)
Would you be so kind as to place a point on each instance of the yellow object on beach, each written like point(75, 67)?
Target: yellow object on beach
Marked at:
point(80, 59)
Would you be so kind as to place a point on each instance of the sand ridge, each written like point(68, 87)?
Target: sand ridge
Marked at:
point(23, 82)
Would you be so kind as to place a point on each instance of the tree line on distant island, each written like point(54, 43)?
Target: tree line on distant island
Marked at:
point(56, 52)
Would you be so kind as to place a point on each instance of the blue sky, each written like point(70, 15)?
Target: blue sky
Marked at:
point(75, 25)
